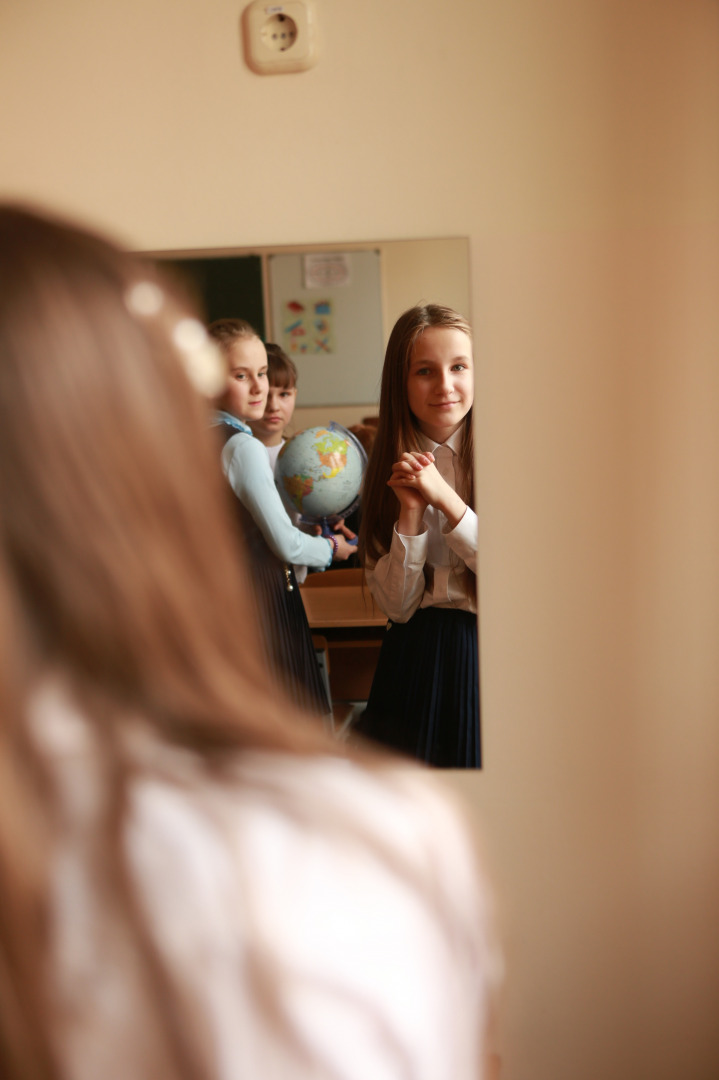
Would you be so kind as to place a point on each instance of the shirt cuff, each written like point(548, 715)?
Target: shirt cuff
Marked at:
point(463, 537)
point(332, 555)
point(412, 549)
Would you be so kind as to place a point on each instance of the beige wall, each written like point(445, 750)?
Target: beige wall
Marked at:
point(576, 145)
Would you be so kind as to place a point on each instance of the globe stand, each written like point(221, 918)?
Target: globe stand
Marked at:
point(327, 531)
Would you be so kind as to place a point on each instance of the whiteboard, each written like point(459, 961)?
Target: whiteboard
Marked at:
point(326, 313)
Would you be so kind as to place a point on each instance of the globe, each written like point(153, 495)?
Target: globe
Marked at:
point(319, 473)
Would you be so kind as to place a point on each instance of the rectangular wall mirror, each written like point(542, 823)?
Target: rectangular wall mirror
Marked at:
point(331, 307)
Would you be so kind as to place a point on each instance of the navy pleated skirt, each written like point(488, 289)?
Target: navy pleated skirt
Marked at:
point(424, 699)
point(287, 635)
point(281, 619)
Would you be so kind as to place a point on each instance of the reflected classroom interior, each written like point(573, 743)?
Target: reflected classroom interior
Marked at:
point(331, 307)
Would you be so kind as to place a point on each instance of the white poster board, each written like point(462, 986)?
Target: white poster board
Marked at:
point(326, 313)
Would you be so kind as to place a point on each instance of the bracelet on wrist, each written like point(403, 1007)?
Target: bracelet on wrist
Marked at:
point(335, 546)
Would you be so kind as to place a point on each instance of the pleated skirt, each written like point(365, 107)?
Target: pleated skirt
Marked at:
point(288, 637)
point(424, 700)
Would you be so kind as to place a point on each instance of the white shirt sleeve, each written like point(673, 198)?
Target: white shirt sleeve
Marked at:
point(247, 468)
point(462, 539)
point(396, 581)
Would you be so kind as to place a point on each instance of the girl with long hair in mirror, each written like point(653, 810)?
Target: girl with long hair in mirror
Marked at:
point(418, 541)
point(196, 883)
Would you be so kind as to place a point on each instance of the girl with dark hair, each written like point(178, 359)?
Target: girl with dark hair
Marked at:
point(196, 883)
point(418, 541)
point(270, 430)
point(281, 400)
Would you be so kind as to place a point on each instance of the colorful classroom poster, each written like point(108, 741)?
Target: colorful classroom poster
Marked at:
point(308, 327)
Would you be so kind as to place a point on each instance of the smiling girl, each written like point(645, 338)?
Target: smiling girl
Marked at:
point(273, 543)
point(418, 542)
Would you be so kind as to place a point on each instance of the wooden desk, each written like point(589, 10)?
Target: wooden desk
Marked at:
point(341, 606)
point(354, 627)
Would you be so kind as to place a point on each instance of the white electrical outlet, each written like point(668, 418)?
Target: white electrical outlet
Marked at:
point(280, 37)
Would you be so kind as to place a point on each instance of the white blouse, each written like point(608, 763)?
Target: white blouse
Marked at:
point(427, 570)
point(355, 889)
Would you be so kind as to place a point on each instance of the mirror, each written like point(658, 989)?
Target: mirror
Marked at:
point(331, 307)
point(351, 292)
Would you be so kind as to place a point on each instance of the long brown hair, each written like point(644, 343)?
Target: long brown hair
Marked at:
point(119, 569)
point(398, 432)
point(120, 580)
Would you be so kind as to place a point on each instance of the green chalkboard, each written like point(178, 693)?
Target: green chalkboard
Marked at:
point(226, 287)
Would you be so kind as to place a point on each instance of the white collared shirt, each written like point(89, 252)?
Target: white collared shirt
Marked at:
point(356, 889)
point(427, 570)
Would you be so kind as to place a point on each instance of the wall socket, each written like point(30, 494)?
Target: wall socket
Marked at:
point(280, 37)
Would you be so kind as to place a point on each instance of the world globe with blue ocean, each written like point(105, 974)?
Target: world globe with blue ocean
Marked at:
point(319, 473)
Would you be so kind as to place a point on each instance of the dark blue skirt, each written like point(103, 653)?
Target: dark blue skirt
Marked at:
point(280, 616)
point(291, 653)
point(424, 699)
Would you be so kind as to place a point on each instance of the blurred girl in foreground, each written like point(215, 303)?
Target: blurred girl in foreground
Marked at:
point(194, 882)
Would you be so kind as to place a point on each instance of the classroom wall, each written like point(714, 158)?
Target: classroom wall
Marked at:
point(576, 144)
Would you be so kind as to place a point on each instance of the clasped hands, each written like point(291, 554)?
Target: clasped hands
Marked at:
point(417, 483)
point(415, 479)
